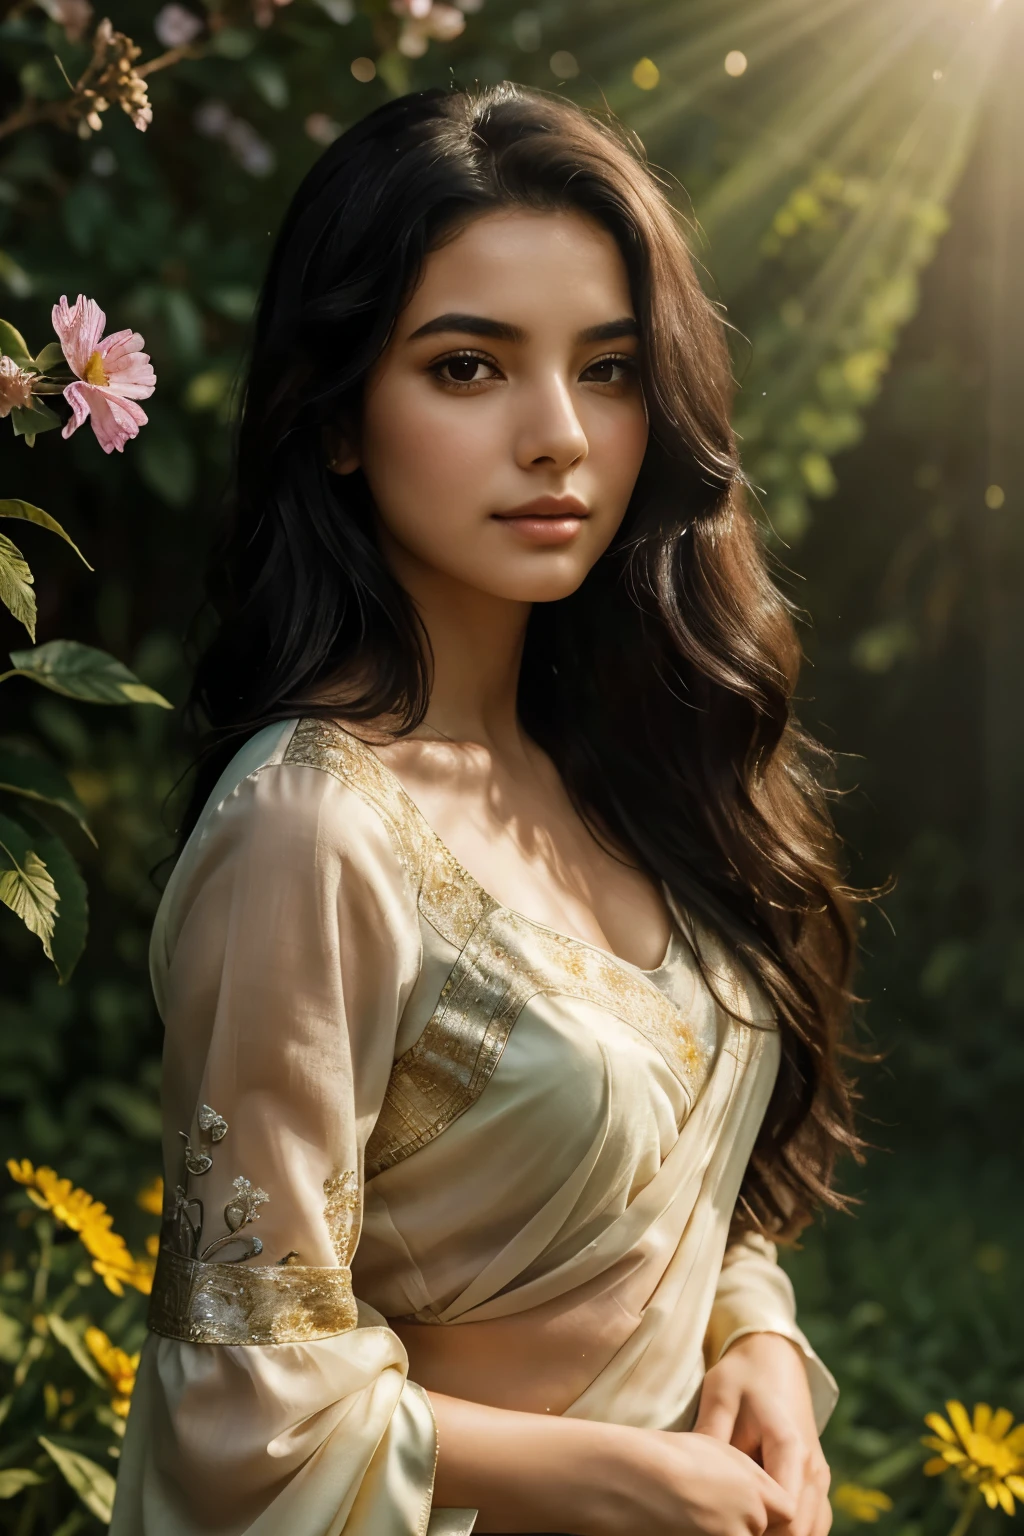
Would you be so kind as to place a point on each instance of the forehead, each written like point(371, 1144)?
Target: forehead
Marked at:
point(509, 263)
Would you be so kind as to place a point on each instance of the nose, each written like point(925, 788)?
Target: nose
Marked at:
point(551, 434)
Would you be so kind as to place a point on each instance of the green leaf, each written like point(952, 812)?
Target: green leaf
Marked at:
point(35, 778)
point(16, 585)
point(13, 345)
point(30, 514)
point(26, 885)
point(82, 672)
point(29, 421)
point(14, 1479)
point(75, 1345)
point(49, 357)
point(72, 920)
point(94, 1485)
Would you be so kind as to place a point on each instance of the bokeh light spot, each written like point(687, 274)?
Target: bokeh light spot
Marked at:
point(735, 63)
point(646, 74)
point(995, 497)
point(564, 65)
point(363, 70)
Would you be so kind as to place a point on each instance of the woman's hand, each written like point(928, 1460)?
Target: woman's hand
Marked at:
point(757, 1399)
point(531, 1472)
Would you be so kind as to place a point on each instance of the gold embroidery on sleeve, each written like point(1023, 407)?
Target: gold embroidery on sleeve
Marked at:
point(342, 1191)
point(229, 1301)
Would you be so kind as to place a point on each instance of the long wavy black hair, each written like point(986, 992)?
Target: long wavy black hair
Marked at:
point(662, 688)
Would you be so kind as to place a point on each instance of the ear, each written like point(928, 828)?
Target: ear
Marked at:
point(340, 449)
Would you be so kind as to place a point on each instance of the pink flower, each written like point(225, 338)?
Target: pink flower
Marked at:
point(113, 372)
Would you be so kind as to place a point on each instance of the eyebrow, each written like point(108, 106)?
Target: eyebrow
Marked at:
point(502, 330)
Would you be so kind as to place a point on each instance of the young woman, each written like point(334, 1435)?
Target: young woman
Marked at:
point(504, 963)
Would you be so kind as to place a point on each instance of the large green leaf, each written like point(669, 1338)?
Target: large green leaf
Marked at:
point(14, 1479)
point(34, 778)
point(72, 924)
point(65, 1333)
point(26, 885)
point(14, 345)
point(42, 884)
point(81, 672)
point(16, 585)
point(93, 1484)
point(28, 421)
point(30, 514)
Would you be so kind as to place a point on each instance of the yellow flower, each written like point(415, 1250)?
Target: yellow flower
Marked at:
point(91, 1220)
point(988, 1452)
point(119, 1368)
point(151, 1198)
point(861, 1503)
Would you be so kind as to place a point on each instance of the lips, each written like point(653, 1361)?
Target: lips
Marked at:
point(556, 508)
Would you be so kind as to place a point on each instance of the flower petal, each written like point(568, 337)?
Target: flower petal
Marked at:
point(77, 396)
point(982, 1415)
point(79, 329)
point(935, 1467)
point(128, 369)
point(114, 420)
point(1005, 1498)
point(1014, 1440)
point(936, 1422)
point(1015, 1484)
point(1000, 1422)
point(959, 1420)
point(989, 1491)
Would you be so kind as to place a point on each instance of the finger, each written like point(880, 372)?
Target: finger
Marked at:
point(823, 1520)
point(808, 1510)
point(785, 1458)
point(780, 1505)
point(716, 1416)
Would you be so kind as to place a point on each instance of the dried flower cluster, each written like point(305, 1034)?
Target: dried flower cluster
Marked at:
point(15, 387)
point(111, 78)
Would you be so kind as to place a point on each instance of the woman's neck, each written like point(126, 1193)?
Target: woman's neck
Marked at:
point(476, 641)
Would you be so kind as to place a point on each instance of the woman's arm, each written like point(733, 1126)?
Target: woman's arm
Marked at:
point(528, 1472)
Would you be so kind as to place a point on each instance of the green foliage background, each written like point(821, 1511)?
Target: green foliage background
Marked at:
point(860, 229)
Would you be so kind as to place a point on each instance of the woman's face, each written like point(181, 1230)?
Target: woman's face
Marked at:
point(504, 427)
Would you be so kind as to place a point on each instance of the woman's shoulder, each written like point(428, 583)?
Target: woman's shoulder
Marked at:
point(297, 793)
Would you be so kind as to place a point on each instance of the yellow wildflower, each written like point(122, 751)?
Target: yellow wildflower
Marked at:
point(861, 1503)
point(987, 1452)
point(91, 1220)
point(119, 1368)
point(151, 1198)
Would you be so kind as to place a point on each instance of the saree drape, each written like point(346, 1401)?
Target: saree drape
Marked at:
point(389, 1100)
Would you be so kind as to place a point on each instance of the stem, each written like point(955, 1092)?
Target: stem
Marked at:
point(967, 1513)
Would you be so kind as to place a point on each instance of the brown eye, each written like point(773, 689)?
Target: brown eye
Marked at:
point(609, 370)
point(464, 368)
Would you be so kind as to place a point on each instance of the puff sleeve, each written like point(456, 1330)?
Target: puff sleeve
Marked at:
point(755, 1295)
point(269, 1399)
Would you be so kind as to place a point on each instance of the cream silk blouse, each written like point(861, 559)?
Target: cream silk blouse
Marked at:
point(389, 1100)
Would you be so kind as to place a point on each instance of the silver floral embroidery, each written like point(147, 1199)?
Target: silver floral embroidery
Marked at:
point(229, 1302)
point(209, 1120)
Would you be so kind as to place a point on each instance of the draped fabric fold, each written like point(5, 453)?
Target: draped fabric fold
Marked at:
point(399, 1117)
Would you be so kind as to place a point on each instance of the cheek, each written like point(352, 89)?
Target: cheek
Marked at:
point(422, 451)
point(617, 444)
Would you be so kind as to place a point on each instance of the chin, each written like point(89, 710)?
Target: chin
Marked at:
point(545, 583)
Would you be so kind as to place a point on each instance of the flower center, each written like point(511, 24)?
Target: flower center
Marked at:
point(95, 373)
